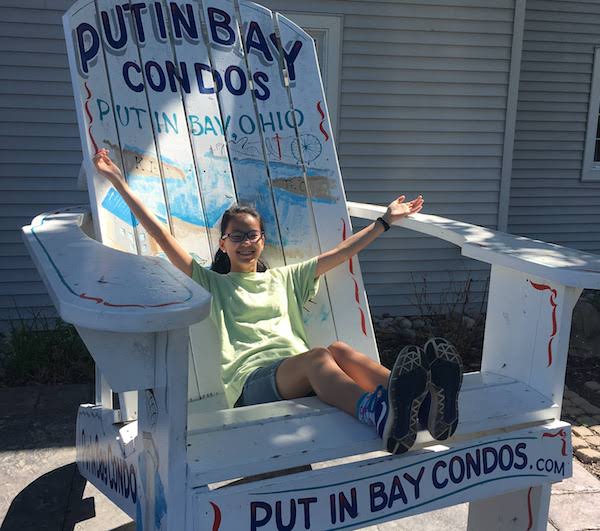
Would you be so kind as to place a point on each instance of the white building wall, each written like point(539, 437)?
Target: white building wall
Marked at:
point(422, 110)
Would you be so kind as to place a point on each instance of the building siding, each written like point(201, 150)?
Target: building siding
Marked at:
point(424, 87)
point(40, 150)
point(549, 201)
point(422, 110)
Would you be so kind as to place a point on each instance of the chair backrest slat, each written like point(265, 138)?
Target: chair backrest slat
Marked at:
point(325, 187)
point(244, 139)
point(97, 129)
point(285, 169)
point(177, 167)
point(204, 120)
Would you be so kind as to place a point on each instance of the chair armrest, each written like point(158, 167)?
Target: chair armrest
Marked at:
point(569, 267)
point(100, 288)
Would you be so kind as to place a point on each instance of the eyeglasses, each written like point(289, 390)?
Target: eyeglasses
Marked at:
point(239, 236)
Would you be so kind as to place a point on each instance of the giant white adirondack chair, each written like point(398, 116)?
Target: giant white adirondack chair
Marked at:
point(257, 130)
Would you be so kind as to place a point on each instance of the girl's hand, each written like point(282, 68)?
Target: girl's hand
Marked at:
point(107, 167)
point(399, 209)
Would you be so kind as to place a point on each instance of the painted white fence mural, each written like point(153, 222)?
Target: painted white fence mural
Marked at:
point(208, 102)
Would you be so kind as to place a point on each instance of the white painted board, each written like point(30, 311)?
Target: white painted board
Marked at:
point(364, 493)
point(288, 182)
point(316, 150)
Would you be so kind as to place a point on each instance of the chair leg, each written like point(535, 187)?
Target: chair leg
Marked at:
point(162, 437)
point(103, 392)
point(522, 510)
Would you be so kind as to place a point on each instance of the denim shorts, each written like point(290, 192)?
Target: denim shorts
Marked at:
point(260, 386)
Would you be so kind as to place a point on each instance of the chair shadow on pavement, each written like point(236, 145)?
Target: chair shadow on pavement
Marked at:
point(53, 502)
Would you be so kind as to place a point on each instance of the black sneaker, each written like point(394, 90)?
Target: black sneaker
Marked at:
point(446, 370)
point(407, 388)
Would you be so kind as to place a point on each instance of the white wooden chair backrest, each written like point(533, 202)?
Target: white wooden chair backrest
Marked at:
point(192, 143)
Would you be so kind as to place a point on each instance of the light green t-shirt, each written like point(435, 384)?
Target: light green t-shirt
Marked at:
point(258, 317)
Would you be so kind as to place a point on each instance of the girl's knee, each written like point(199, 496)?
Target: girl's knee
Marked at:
point(320, 354)
point(339, 349)
point(318, 357)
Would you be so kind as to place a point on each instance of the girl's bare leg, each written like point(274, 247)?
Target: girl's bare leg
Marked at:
point(368, 374)
point(317, 370)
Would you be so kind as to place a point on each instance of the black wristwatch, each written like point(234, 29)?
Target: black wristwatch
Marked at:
point(386, 225)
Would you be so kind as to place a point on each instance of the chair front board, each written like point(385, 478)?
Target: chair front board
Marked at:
point(202, 104)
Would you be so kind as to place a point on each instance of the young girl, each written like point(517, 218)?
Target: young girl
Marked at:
point(265, 353)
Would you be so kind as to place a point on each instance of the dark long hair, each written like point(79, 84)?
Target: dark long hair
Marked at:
point(221, 263)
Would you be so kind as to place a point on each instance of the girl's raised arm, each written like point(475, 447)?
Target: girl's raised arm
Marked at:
point(357, 242)
point(178, 256)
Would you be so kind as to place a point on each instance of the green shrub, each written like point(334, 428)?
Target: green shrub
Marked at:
point(43, 351)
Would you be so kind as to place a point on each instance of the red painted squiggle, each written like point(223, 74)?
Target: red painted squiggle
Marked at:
point(363, 320)
point(529, 509)
point(91, 118)
point(322, 120)
point(553, 294)
point(99, 300)
point(217, 521)
point(563, 437)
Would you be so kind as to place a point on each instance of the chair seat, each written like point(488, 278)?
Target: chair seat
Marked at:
point(239, 442)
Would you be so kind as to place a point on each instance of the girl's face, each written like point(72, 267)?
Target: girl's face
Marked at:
point(244, 254)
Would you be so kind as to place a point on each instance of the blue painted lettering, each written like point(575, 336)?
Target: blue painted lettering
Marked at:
point(489, 466)
point(261, 91)
point(506, 457)
point(167, 123)
point(112, 470)
point(220, 29)
point(332, 510)
point(521, 455)
point(160, 21)
point(349, 507)
point(202, 69)
point(136, 13)
point(158, 84)
point(245, 119)
point(415, 482)
point(139, 87)
point(434, 475)
point(138, 110)
point(241, 81)
point(265, 123)
point(124, 122)
point(289, 57)
point(294, 116)
point(255, 40)
point(227, 120)
point(114, 42)
point(178, 78)
point(255, 521)
point(279, 517)
point(196, 128)
point(89, 52)
point(377, 496)
point(396, 492)
point(103, 108)
point(456, 469)
point(208, 126)
point(305, 502)
point(180, 21)
point(473, 464)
